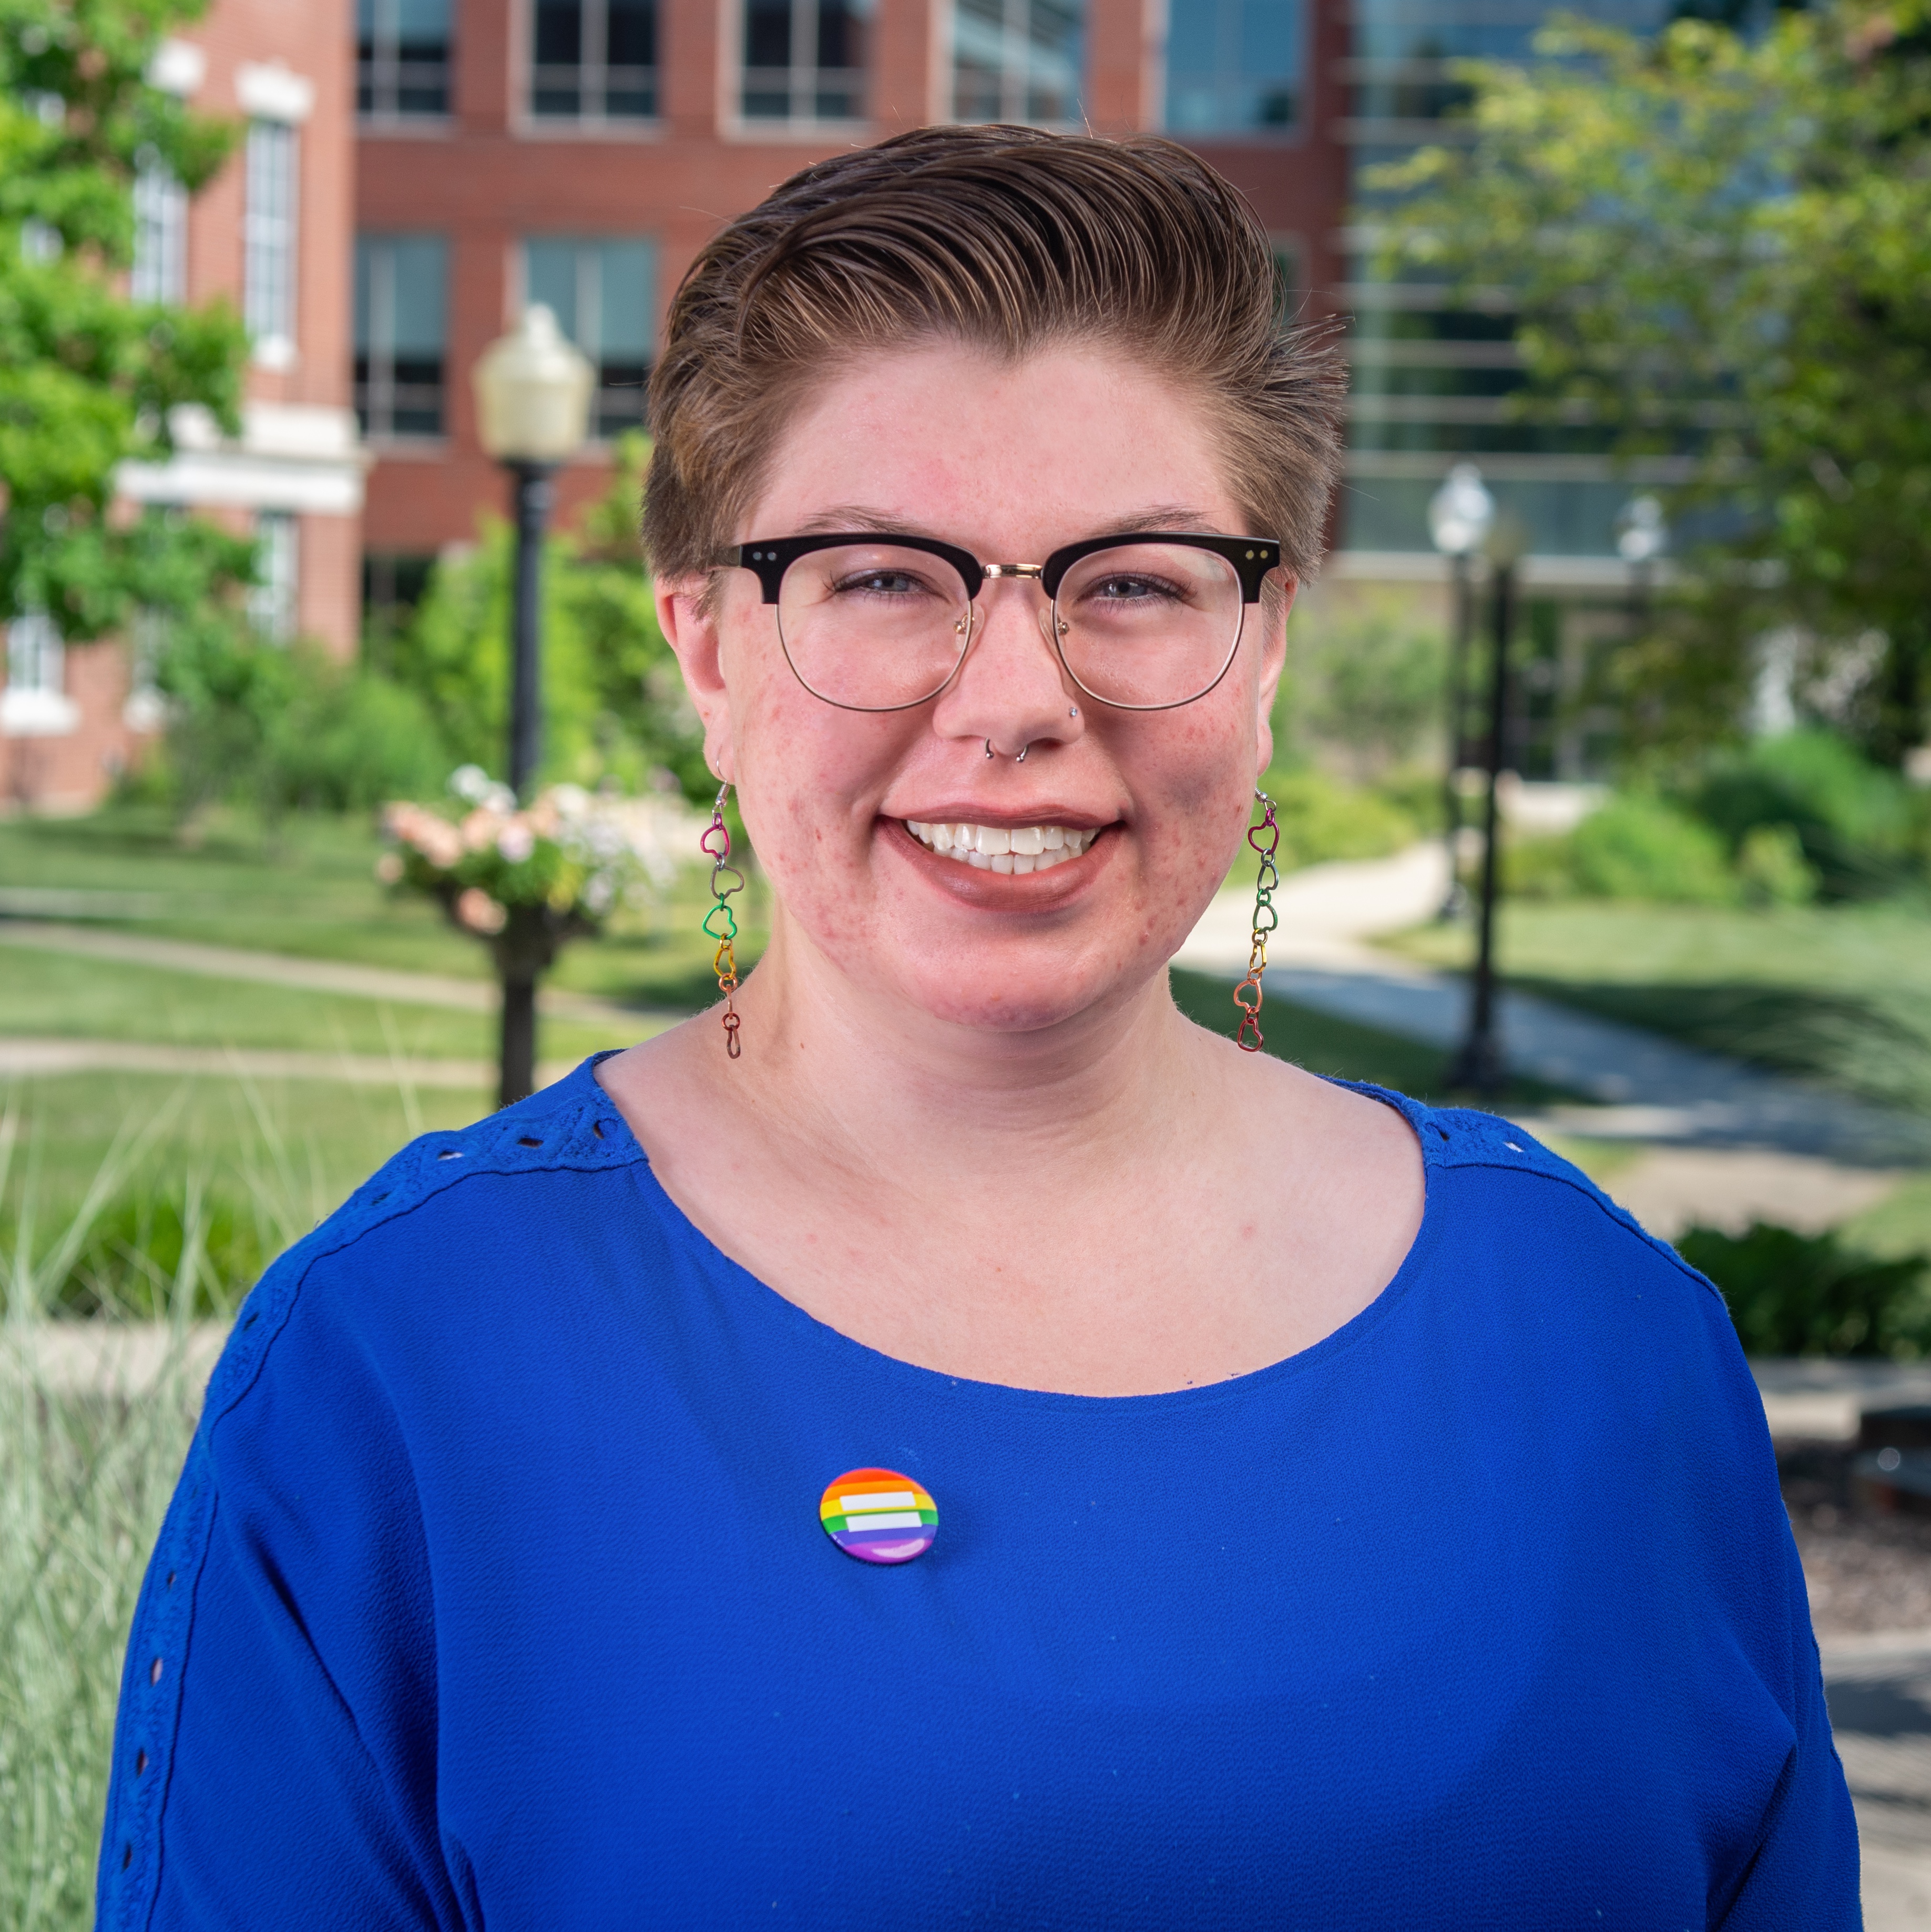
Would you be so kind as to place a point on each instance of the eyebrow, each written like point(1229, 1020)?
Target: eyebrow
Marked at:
point(1178, 517)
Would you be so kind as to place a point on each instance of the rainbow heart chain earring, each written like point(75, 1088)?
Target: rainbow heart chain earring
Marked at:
point(1265, 839)
point(716, 846)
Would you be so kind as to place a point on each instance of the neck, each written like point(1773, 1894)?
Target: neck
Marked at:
point(862, 1077)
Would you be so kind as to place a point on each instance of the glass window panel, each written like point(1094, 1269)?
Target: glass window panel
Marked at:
point(630, 33)
point(269, 238)
point(629, 301)
point(549, 277)
point(767, 34)
point(1018, 60)
point(1233, 66)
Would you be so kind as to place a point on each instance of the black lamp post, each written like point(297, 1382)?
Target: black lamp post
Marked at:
point(1481, 1067)
point(533, 391)
point(1459, 514)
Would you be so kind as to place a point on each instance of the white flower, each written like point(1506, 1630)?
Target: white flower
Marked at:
point(470, 783)
point(516, 842)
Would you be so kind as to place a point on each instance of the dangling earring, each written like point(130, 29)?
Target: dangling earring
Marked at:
point(716, 846)
point(1265, 839)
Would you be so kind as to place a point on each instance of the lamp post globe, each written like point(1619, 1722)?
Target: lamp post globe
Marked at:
point(533, 390)
point(1642, 533)
point(1459, 514)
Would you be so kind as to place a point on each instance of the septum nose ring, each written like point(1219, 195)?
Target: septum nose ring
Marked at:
point(1023, 750)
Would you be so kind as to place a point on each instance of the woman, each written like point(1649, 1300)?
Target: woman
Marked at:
point(1273, 1502)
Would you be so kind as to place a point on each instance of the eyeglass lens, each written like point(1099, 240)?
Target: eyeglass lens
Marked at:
point(873, 627)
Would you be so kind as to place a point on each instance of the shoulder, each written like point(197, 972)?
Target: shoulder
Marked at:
point(1503, 1201)
point(437, 1221)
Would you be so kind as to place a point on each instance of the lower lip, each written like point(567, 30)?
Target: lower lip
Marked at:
point(1003, 892)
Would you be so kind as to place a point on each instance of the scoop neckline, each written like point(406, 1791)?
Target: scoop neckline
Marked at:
point(764, 1299)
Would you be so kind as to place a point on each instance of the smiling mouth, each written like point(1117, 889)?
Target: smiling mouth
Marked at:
point(999, 848)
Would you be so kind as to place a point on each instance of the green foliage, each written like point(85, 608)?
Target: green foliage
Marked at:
point(88, 379)
point(1772, 869)
point(614, 704)
point(1720, 244)
point(280, 729)
point(1636, 847)
point(1853, 822)
point(1320, 818)
point(1814, 1294)
point(1366, 680)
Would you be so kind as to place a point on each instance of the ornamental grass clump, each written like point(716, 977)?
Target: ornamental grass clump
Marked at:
point(95, 1419)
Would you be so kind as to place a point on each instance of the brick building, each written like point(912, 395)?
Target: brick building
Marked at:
point(274, 234)
point(579, 152)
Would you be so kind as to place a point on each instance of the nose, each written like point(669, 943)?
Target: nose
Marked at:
point(1012, 692)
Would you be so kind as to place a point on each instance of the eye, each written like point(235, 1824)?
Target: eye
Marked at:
point(882, 582)
point(1122, 586)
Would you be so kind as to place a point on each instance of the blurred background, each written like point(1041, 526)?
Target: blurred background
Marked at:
point(347, 785)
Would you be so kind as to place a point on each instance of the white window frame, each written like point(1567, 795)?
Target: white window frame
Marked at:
point(160, 270)
point(379, 403)
point(34, 703)
point(593, 70)
point(274, 603)
point(800, 81)
point(1014, 68)
point(388, 76)
point(270, 238)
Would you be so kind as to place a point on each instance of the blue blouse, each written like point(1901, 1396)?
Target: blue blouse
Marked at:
point(494, 1593)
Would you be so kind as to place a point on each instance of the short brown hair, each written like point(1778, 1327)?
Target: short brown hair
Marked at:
point(1007, 238)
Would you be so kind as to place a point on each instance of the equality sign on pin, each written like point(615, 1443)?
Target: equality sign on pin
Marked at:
point(879, 1516)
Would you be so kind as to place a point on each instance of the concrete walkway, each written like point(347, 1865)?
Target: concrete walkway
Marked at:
point(1642, 1086)
point(41, 1057)
point(314, 976)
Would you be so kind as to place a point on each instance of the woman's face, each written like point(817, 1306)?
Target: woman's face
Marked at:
point(1010, 462)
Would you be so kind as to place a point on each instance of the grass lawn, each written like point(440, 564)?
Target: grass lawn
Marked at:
point(1841, 994)
point(64, 995)
point(309, 889)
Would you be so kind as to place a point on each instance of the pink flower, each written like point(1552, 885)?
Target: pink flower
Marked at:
point(477, 910)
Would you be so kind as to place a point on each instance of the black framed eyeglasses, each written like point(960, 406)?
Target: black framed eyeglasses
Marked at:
point(881, 622)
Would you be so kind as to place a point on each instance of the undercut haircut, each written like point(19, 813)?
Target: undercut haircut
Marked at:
point(1004, 239)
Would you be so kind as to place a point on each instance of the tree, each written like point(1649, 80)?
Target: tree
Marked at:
point(614, 705)
point(1721, 245)
point(89, 378)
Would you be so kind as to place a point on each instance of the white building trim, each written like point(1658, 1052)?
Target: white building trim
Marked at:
point(274, 92)
point(291, 456)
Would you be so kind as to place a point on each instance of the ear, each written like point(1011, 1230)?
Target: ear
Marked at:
point(689, 622)
point(1275, 606)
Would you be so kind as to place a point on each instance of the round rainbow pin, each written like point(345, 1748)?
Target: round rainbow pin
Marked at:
point(879, 1516)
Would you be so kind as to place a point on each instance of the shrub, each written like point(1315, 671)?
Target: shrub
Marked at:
point(1320, 819)
point(1772, 868)
point(1813, 1294)
point(1366, 680)
point(1853, 820)
point(1638, 847)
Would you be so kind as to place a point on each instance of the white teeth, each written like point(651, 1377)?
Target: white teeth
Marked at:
point(1018, 849)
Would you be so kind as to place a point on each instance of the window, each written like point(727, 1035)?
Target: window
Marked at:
point(401, 285)
point(593, 60)
point(271, 602)
point(1233, 67)
point(604, 295)
point(803, 60)
point(160, 236)
point(268, 236)
point(393, 585)
point(1018, 60)
point(402, 57)
point(35, 703)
